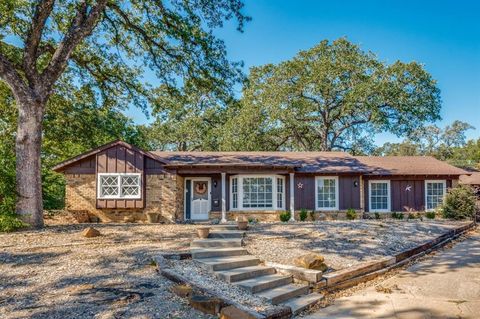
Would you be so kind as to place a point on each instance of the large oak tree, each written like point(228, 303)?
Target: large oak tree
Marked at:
point(107, 45)
point(333, 96)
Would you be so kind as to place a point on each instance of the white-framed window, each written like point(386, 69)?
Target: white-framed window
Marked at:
point(326, 194)
point(435, 190)
point(234, 192)
point(280, 192)
point(379, 195)
point(119, 185)
point(257, 192)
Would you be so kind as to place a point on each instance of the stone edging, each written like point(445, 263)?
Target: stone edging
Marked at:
point(278, 312)
point(354, 275)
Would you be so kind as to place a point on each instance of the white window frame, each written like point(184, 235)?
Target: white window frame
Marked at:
point(119, 196)
point(389, 196)
point(437, 181)
point(317, 179)
point(240, 178)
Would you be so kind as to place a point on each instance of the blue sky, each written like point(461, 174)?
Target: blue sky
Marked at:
point(442, 35)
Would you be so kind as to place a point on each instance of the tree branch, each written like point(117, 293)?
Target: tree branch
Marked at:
point(10, 75)
point(34, 36)
point(82, 25)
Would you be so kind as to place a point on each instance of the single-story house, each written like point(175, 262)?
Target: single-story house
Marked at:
point(120, 182)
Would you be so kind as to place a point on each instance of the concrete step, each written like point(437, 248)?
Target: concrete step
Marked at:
point(280, 294)
point(262, 283)
point(298, 304)
point(243, 273)
point(217, 243)
point(225, 227)
point(198, 253)
point(230, 262)
point(226, 234)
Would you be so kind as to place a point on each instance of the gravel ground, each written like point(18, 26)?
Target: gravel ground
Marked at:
point(342, 243)
point(199, 275)
point(56, 273)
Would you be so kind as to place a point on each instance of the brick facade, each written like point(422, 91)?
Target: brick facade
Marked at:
point(163, 195)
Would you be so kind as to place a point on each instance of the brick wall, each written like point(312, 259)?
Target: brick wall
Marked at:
point(163, 195)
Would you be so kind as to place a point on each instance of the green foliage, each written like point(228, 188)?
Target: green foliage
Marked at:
point(303, 214)
point(351, 214)
point(412, 215)
point(285, 216)
point(252, 220)
point(397, 215)
point(459, 203)
point(377, 215)
point(332, 96)
point(430, 215)
point(10, 223)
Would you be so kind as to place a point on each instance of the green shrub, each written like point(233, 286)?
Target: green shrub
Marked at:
point(430, 215)
point(459, 203)
point(9, 223)
point(312, 215)
point(351, 214)
point(397, 215)
point(303, 214)
point(285, 216)
point(412, 216)
point(377, 215)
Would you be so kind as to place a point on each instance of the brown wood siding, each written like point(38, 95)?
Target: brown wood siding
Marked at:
point(84, 166)
point(119, 159)
point(349, 194)
point(305, 196)
point(401, 198)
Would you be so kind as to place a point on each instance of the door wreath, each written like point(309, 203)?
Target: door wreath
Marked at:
point(201, 188)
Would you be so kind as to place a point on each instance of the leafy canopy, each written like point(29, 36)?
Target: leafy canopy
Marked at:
point(335, 96)
point(123, 42)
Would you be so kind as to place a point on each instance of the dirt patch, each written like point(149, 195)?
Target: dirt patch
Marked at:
point(342, 243)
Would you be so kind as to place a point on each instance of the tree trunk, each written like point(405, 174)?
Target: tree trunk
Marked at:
point(28, 170)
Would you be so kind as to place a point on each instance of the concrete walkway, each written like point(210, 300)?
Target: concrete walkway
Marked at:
point(444, 286)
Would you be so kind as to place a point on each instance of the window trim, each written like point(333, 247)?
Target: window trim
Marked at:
point(439, 181)
point(337, 192)
point(389, 196)
point(240, 178)
point(99, 186)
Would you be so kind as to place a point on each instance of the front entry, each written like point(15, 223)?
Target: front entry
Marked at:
point(197, 198)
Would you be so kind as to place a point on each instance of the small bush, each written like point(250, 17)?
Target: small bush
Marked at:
point(303, 214)
point(351, 214)
point(412, 216)
point(312, 215)
point(377, 215)
point(459, 203)
point(285, 216)
point(396, 215)
point(9, 223)
point(430, 215)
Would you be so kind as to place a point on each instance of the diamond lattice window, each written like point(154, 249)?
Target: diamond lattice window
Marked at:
point(119, 185)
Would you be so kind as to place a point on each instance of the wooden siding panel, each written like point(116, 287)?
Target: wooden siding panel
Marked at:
point(119, 159)
point(305, 196)
point(349, 194)
point(84, 166)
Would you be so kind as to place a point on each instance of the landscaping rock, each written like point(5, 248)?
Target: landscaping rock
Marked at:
point(182, 290)
point(232, 312)
point(90, 232)
point(311, 261)
point(206, 304)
